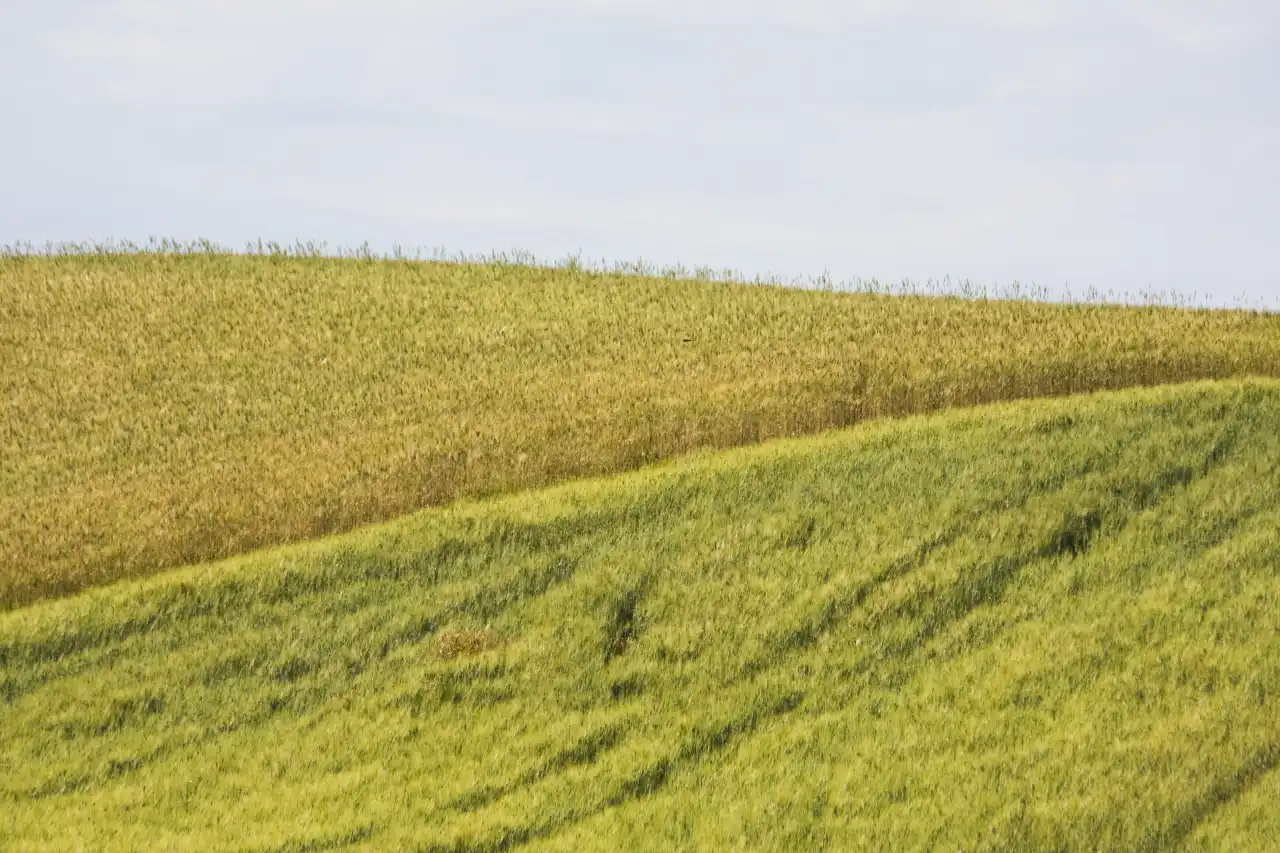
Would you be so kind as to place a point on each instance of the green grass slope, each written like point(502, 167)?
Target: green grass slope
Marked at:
point(1040, 626)
point(158, 410)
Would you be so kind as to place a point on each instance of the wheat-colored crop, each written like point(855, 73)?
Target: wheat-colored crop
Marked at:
point(160, 408)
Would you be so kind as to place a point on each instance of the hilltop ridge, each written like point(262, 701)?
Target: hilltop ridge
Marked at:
point(164, 409)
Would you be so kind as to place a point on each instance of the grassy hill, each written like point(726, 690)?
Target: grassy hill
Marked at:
point(162, 409)
point(1037, 626)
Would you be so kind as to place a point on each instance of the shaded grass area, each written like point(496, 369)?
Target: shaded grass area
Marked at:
point(158, 410)
point(1042, 626)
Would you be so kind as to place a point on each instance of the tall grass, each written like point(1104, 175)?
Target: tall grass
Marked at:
point(1042, 626)
point(160, 408)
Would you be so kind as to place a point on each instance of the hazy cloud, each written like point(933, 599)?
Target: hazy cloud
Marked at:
point(1121, 144)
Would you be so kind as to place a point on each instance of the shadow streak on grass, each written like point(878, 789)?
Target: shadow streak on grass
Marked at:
point(1223, 792)
point(1075, 535)
point(114, 769)
point(639, 785)
point(317, 845)
point(183, 604)
point(585, 751)
point(294, 700)
point(841, 607)
point(622, 628)
point(183, 609)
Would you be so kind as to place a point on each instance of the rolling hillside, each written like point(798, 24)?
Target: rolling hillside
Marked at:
point(1034, 626)
point(163, 409)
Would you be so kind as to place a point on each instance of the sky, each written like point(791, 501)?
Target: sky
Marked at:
point(1123, 146)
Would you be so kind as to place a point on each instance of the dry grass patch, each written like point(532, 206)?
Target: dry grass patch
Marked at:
point(453, 643)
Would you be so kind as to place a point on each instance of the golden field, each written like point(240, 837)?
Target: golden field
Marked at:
point(158, 409)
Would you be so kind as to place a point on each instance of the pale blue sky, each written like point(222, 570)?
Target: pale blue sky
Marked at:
point(1122, 145)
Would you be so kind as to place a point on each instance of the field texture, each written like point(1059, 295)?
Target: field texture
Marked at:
point(1038, 626)
point(158, 410)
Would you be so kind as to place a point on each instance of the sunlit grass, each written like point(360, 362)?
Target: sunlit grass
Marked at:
point(1041, 626)
point(159, 409)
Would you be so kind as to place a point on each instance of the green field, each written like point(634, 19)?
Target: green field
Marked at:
point(1035, 626)
point(160, 409)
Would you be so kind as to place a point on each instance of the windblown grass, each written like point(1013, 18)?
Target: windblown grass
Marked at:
point(1041, 626)
point(162, 409)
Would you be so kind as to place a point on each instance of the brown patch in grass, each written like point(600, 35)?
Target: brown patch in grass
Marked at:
point(455, 643)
